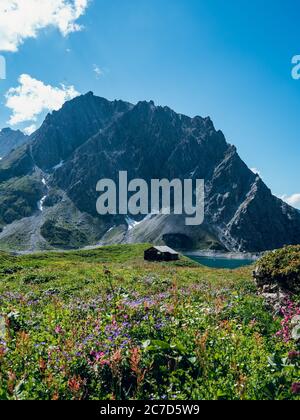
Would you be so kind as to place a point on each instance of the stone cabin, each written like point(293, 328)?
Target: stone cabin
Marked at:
point(161, 253)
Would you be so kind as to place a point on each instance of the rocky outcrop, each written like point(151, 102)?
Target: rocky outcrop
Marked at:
point(280, 268)
point(277, 276)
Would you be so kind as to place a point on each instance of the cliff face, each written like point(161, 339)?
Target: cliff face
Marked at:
point(66, 130)
point(91, 138)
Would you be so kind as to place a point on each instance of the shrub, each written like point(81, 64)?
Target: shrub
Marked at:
point(281, 267)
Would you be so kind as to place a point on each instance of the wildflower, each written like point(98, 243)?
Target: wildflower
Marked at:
point(294, 355)
point(58, 329)
point(117, 357)
point(296, 388)
point(24, 338)
point(99, 355)
point(290, 312)
point(55, 397)
point(42, 365)
point(76, 384)
point(115, 362)
point(135, 361)
point(2, 352)
point(11, 382)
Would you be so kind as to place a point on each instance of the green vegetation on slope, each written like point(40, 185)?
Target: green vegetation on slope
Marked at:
point(281, 267)
point(17, 164)
point(105, 324)
point(18, 198)
point(62, 237)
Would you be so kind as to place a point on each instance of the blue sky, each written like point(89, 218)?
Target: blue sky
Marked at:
point(229, 59)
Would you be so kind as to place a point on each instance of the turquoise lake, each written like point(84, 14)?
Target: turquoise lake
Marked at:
point(219, 262)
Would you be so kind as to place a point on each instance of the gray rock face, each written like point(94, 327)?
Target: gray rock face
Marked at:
point(66, 130)
point(91, 138)
point(9, 140)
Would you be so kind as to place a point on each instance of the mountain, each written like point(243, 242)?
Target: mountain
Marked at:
point(48, 186)
point(9, 140)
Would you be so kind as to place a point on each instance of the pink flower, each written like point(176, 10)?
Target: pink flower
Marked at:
point(289, 311)
point(99, 356)
point(58, 329)
point(104, 362)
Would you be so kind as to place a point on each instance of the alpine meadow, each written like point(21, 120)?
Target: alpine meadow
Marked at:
point(149, 204)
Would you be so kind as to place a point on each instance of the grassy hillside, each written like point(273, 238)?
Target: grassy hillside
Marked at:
point(105, 324)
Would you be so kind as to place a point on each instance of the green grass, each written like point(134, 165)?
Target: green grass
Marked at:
point(106, 324)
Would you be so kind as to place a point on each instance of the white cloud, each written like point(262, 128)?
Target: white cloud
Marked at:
point(32, 97)
point(292, 200)
point(255, 171)
point(21, 19)
point(98, 71)
point(31, 129)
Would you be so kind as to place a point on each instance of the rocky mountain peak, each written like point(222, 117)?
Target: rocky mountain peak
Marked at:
point(91, 138)
point(67, 129)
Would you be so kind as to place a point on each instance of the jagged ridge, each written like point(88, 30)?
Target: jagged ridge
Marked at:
point(91, 138)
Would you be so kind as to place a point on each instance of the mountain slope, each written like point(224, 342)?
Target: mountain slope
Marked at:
point(10, 140)
point(91, 138)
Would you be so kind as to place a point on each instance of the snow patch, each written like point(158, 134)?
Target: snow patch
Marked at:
point(59, 165)
point(133, 223)
point(40, 203)
point(109, 230)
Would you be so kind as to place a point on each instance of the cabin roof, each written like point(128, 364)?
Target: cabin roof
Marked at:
point(165, 249)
